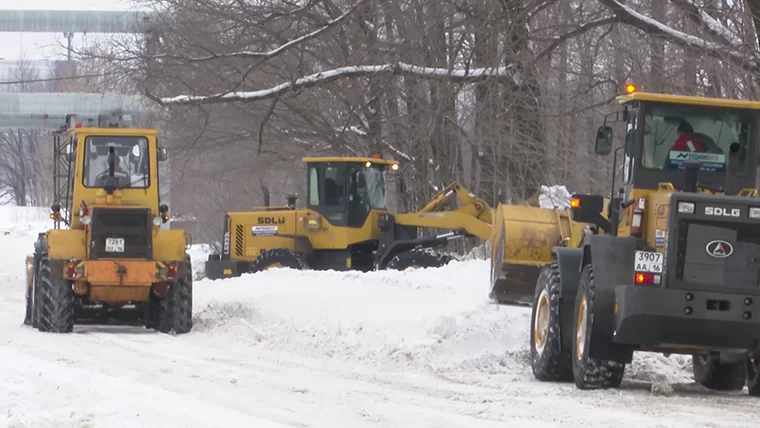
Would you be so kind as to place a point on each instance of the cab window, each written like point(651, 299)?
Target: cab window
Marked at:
point(673, 134)
point(128, 154)
point(313, 186)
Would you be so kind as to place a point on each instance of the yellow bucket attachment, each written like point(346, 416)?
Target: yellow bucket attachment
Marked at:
point(523, 238)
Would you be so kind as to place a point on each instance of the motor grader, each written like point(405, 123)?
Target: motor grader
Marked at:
point(107, 256)
point(669, 263)
point(346, 225)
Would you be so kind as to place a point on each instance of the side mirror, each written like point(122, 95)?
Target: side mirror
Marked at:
point(588, 209)
point(162, 154)
point(603, 140)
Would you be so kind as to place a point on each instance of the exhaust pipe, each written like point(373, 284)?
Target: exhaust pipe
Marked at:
point(265, 191)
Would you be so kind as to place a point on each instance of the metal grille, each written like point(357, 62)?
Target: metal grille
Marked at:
point(239, 236)
point(697, 268)
point(131, 224)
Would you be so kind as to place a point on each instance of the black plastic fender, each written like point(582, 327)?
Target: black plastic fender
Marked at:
point(613, 260)
point(569, 262)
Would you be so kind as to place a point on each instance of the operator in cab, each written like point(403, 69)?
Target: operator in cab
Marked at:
point(127, 154)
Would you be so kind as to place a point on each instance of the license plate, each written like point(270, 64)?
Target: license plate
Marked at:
point(114, 245)
point(649, 261)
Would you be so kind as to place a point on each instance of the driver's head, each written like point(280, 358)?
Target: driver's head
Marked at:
point(685, 128)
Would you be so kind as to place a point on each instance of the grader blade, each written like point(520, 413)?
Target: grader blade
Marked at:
point(523, 238)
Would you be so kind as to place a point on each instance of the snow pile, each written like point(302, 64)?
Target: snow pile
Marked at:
point(554, 196)
point(438, 320)
point(417, 317)
point(198, 256)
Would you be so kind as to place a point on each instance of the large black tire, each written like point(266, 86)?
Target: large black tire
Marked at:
point(549, 362)
point(175, 313)
point(57, 301)
point(418, 258)
point(710, 373)
point(753, 376)
point(590, 373)
point(277, 257)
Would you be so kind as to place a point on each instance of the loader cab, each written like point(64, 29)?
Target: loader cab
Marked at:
point(109, 166)
point(664, 131)
point(345, 190)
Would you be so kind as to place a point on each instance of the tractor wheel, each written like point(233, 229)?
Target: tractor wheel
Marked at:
point(56, 301)
point(550, 363)
point(710, 373)
point(176, 308)
point(753, 376)
point(418, 258)
point(590, 373)
point(277, 258)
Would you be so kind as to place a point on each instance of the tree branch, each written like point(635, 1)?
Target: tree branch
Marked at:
point(557, 41)
point(324, 77)
point(270, 53)
point(748, 61)
point(713, 26)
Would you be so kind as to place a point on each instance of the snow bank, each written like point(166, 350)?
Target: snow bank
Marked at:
point(438, 320)
point(418, 317)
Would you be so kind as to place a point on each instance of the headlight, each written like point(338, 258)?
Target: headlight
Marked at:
point(85, 219)
point(754, 212)
point(157, 221)
point(686, 207)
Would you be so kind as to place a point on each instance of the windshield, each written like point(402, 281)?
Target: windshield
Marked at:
point(346, 193)
point(718, 140)
point(129, 156)
point(369, 187)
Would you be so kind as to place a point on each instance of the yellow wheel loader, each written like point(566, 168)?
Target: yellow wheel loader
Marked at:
point(107, 257)
point(345, 225)
point(669, 264)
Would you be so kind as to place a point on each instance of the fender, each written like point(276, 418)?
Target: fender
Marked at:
point(569, 261)
point(612, 260)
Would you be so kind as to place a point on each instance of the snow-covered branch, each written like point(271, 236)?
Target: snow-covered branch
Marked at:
point(703, 19)
point(317, 79)
point(270, 53)
point(746, 60)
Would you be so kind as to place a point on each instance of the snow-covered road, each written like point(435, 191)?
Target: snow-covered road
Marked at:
point(323, 349)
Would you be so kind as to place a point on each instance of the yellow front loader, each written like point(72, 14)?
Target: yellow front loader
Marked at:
point(107, 257)
point(669, 264)
point(346, 225)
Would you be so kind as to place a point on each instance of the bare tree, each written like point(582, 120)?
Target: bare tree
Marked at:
point(503, 95)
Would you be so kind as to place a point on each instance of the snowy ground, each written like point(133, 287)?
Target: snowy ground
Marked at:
point(321, 349)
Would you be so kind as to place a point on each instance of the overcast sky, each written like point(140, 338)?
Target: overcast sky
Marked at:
point(47, 45)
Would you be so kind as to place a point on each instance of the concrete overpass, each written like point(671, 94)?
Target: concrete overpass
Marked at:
point(47, 110)
point(74, 21)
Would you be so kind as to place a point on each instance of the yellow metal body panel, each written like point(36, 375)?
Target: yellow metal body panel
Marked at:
point(118, 295)
point(126, 273)
point(169, 245)
point(246, 244)
point(688, 100)
point(67, 244)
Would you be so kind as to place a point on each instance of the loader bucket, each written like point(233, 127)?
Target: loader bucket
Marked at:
point(523, 238)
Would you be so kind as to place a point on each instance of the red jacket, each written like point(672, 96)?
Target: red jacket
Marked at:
point(684, 143)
